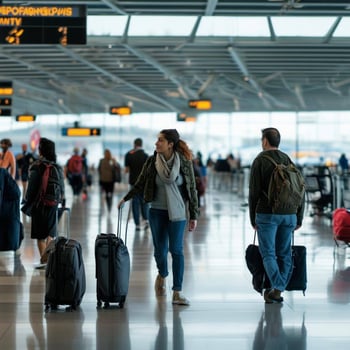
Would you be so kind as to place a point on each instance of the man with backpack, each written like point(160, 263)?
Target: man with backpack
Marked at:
point(276, 210)
point(74, 171)
point(45, 191)
point(134, 161)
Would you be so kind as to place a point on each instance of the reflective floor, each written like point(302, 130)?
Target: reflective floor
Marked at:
point(225, 311)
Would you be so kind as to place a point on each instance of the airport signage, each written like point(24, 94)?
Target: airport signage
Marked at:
point(43, 25)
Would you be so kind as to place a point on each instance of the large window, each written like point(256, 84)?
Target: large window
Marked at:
point(307, 137)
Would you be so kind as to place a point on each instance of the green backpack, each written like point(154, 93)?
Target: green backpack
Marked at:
point(286, 187)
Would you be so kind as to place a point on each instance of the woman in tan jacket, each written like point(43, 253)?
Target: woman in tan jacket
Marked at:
point(108, 170)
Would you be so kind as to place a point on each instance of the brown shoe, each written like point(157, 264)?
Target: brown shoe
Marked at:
point(159, 286)
point(272, 296)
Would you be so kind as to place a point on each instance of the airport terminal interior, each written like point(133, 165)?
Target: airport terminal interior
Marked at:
point(225, 311)
point(118, 70)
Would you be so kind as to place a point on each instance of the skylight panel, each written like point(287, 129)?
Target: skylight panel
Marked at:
point(161, 25)
point(233, 26)
point(106, 25)
point(343, 28)
point(302, 26)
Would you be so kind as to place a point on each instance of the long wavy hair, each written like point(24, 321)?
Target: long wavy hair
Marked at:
point(171, 135)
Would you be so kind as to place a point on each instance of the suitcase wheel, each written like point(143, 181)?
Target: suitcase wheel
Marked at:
point(99, 303)
point(106, 305)
point(121, 305)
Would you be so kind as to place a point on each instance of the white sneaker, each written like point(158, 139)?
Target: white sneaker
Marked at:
point(180, 299)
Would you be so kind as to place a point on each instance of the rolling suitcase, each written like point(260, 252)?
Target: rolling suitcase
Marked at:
point(298, 280)
point(65, 272)
point(112, 267)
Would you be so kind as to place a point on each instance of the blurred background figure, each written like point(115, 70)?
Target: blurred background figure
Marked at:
point(108, 169)
point(74, 172)
point(86, 175)
point(7, 158)
point(343, 164)
point(134, 161)
point(24, 161)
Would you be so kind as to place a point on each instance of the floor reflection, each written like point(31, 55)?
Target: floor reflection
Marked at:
point(162, 342)
point(272, 335)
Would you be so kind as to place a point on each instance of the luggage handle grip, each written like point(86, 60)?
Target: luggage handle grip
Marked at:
point(119, 223)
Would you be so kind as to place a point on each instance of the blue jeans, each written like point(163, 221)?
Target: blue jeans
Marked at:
point(137, 204)
point(275, 235)
point(168, 236)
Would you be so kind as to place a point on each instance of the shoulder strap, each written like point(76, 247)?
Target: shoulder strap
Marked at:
point(270, 158)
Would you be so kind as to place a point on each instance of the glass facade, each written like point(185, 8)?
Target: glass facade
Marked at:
point(309, 138)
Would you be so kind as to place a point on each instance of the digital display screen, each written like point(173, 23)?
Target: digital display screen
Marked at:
point(76, 132)
point(43, 25)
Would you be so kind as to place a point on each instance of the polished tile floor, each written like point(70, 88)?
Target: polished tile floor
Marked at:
point(225, 311)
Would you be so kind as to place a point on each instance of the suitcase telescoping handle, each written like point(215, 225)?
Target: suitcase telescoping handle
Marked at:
point(63, 213)
point(119, 223)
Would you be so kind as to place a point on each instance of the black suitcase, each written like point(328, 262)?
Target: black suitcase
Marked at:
point(65, 271)
point(298, 280)
point(260, 281)
point(112, 267)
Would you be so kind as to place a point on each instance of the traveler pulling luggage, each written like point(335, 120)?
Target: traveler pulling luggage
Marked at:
point(112, 266)
point(65, 272)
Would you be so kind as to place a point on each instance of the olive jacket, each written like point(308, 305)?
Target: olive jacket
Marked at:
point(146, 184)
point(260, 174)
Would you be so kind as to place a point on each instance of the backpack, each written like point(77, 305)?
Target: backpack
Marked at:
point(51, 191)
point(286, 187)
point(75, 165)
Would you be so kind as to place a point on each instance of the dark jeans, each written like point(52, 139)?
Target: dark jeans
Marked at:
point(108, 189)
point(137, 204)
point(168, 237)
point(76, 182)
point(275, 235)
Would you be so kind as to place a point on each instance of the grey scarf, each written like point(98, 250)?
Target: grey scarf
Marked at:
point(175, 203)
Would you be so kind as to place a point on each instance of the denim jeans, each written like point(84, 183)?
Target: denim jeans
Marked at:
point(275, 235)
point(168, 237)
point(137, 204)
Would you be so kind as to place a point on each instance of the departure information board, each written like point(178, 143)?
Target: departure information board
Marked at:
point(43, 25)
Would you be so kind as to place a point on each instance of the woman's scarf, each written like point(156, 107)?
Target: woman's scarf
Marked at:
point(175, 203)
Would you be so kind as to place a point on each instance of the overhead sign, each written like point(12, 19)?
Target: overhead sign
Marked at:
point(120, 110)
point(25, 118)
point(200, 104)
point(43, 25)
point(87, 132)
point(6, 88)
point(5, 112)
point(5, 101)
point(183, 117)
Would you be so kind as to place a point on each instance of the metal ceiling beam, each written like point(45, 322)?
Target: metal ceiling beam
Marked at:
point(244, 70)
point(114, 7)
point(167, 72)
point(331, 31)
point(117, 79)
point(210, 8)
